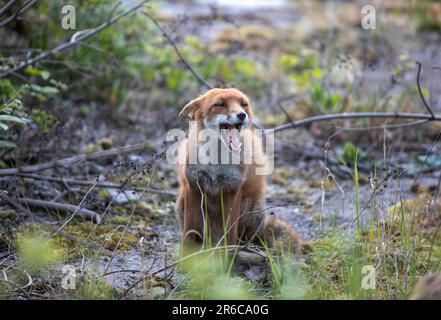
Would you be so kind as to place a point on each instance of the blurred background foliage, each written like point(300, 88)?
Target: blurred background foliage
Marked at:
point(134, 57)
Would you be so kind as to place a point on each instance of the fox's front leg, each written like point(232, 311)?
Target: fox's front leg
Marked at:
point(193, 225)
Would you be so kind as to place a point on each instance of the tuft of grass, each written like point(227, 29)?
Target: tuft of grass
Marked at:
point(93, 287)
point(207, 277)
point(37, 250)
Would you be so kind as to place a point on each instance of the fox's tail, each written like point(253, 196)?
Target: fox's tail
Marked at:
point(280, 235)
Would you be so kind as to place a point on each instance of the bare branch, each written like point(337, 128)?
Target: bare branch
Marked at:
point(327, 117)
point(112, 11)
point(15, 202)
point(19, 11)
point(421, 92)
point(386, 126)
point(89, 183)
point(178, 52)
point(21, 210)
point(74, 41)
point(67, 162)
point(64, 207)
point(7, 6)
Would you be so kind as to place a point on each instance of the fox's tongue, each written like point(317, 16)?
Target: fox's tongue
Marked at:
point(233, 139)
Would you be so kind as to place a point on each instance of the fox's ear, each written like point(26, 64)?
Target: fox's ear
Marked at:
point(191, 107)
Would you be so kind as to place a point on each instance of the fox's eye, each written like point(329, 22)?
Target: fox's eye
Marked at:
point(220, 104)
point(244, 104)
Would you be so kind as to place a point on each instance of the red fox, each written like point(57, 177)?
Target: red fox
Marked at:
point(225, 202)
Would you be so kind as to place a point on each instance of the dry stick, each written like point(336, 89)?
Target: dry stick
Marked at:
point(19, 11)
point(89, 183)
point(67, 162)
point(386, 126)
point(76, 39)
point(288, 116)
point(7, 6)
point(65, 207)
point(178, 52)
point(421, 92)
point(356, 115)
point(21, 210)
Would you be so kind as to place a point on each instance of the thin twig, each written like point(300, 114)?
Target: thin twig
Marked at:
point(288, 116)
point(76, 39)
point(386, 126)
point(178, 52)
point(356, 115)
point(21, 210)
point(7, 6)
point(112, 11)
point(421, 92)
point(19, 11)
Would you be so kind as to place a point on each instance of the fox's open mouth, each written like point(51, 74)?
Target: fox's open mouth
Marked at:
point(231, 135)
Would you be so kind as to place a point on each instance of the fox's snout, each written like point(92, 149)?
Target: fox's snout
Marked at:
point(241, 116)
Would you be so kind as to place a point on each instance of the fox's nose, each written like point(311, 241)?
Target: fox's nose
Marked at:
point(242, 116)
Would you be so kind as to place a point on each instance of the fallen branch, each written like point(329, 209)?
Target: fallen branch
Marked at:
point(89, 183)
point(67, 162)
point(21, 210)
point(76, 39)
point(65, 207)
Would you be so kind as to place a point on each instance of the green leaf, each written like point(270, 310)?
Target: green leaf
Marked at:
point(46, 90)
point(317, 73)
point(288, 61)
point(245, 66)
point(5, 117)
point(44, 74)
point(7, 144)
